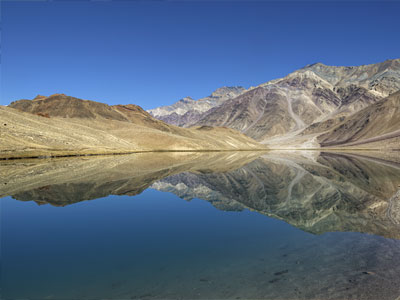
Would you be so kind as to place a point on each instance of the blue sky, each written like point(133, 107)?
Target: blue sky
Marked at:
point(154, 53)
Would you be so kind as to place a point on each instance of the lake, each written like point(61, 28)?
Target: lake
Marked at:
point(228, 225)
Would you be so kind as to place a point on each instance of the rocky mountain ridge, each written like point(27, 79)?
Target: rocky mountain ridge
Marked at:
point(295, 110)
point(187, 111)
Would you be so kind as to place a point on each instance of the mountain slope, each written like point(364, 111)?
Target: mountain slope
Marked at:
point(63, 125)
point(309, 95)
point(377, 122)
point(297, 108)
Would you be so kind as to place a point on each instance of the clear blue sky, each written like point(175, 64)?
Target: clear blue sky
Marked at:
point(154, 53)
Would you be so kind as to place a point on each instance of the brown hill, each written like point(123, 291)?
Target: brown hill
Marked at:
point(60, 105)
point(62, 125)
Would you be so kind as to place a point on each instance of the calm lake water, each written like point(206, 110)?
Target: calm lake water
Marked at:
point(201, 226)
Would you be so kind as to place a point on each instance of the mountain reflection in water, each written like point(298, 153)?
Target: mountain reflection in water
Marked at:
point(317, 192)
point(346, 205)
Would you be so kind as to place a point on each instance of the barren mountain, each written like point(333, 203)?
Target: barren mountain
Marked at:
point(63, 125)
point(375, 127)
point(295, 109)
point(188, 111)
point(375, 123)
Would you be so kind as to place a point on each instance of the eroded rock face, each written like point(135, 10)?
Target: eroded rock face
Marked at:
point(188, 118)
point(317, 193)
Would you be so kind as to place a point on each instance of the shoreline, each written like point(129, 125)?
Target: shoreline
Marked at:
point(71, 153)
point(51, 155)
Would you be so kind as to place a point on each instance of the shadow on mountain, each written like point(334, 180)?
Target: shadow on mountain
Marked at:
point(317, 192)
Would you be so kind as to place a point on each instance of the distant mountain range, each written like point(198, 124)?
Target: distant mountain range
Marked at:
point(187, 111)
point(309, 108)
point(60, 125)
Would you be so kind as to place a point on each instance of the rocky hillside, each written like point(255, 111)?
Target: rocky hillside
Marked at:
point(61, 125)
point(375, 123)
point(188, 111)
point(296, 109)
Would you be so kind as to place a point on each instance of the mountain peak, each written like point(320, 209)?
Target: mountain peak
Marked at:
point(187, 99)
point(57, 94)
point(225, 90)
point(39, 97)
point(317, 64)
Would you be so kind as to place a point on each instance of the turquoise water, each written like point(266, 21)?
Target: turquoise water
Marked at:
point(156, 245)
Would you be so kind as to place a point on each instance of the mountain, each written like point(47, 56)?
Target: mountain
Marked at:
point(61, 105)
point(61, 125)
point(188, 111)
point(317, 192)
point(373, 124)
point(293, 111)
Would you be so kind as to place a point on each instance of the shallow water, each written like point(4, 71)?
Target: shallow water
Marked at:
point(276, 226)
